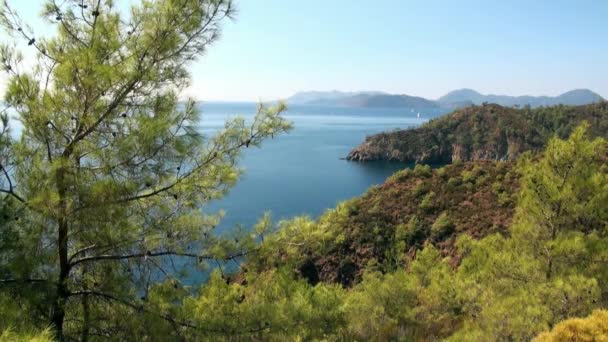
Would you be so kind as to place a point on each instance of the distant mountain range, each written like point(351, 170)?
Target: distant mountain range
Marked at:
point(377, 100)
point(575, 97)
point(452, 100)
point(310, 97)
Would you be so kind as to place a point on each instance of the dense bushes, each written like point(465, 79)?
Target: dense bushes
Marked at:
point(414, 207)
point(434, 280)
point(549, 267)
point(442, 227)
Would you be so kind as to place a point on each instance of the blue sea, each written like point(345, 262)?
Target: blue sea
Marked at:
point(301, 172)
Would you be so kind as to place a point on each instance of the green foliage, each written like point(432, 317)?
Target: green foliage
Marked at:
point(386, 307)
point(378, 307)
point(422, 171)
point(550, 267)
point(100, 212)
point(10, 335)
point(400, 175)
point(591, 328)
point(272, 306)
point(442, 227)
point(421, 188)
point(413, 233)
point(101, 194)
point(489, 132)
point(428, 202)
point(382, 229)
point(454, 182)
point(546, 270)
point(468, 176)
point(441, 172)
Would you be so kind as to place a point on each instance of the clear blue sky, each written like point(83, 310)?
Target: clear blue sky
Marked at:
point(424, 48)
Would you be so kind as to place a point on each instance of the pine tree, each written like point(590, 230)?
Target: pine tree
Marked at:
point(109, 174)
point(553, 263)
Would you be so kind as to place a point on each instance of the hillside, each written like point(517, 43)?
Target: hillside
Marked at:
point(486, 132)
point(471, 251)
point(411, 209)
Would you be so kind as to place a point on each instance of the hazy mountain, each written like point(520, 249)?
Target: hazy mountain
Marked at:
point(461, 95)
point(573, 97)
point(579, 97)
point(453, 100)
point(379, 100)
point(310, 97)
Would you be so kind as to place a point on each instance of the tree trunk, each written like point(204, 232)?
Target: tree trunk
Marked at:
point(61, 297)
point(86, 313)
point(62, 289)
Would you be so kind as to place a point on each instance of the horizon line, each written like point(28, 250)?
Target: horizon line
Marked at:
point(274, 98)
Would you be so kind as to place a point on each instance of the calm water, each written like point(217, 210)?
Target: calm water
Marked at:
point(301, 173)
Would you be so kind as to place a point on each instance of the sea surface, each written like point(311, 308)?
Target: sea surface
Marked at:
point(301, 172)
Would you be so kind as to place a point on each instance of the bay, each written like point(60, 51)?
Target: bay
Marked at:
point(301, 172)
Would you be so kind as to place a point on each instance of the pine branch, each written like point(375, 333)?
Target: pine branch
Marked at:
point(168, 318)
point(23, 281)
point(10, 190)
point(192, 172)
point(156, 254)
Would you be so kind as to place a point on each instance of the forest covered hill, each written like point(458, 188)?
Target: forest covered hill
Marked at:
point(481, 250)
point(415, 207)
point(486, 132)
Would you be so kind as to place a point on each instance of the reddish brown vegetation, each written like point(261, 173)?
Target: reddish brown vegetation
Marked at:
point(478, 198)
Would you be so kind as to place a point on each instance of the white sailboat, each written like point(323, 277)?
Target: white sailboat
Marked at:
point(418, 116)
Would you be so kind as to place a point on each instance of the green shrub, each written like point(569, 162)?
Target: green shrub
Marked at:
point(442, 172)
point(423, 171)
point(501, 166)
point(478, 170)
point(481, 180)
point(428, 202)
point(497, 187)
point(400, 175)
point(442, 227)
point(504, 199)
point(468, 176)
point(421, 189)
point(413, 232)
point(454, 182)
